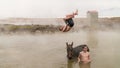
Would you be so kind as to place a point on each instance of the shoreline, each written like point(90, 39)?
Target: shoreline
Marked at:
point(51, 25)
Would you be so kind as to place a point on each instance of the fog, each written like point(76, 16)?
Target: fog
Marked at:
point(56, 8)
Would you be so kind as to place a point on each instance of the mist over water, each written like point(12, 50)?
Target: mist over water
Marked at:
point(49, 50)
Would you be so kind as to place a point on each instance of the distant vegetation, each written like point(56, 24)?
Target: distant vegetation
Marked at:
point(29, 28)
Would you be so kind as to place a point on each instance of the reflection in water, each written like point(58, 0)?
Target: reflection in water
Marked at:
point(75, 64)
point(70, 64)
point(82, 65)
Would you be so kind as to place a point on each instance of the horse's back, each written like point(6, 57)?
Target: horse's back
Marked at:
point(77, 50)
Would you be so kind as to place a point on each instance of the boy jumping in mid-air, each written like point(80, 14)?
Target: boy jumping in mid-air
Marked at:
point(69, 22)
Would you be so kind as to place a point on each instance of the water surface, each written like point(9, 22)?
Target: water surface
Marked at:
point(49, 50)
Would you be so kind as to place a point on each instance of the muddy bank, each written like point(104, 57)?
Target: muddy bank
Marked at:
point(35, 29)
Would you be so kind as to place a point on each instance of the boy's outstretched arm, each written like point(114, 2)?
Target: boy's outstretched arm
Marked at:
point(72, 14)
point(76, 12)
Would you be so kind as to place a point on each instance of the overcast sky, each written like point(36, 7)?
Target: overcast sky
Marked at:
point(56, 8)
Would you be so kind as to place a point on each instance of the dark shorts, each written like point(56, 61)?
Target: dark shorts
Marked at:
point(69, 22)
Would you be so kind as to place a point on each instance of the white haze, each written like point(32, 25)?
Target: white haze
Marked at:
point(56, 8)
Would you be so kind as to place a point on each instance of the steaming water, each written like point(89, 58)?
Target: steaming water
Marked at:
point(49, 50)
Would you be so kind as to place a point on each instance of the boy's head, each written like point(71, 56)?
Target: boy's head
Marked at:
point(85, 48)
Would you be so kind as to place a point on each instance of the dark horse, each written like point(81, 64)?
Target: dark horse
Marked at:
point(74, 52)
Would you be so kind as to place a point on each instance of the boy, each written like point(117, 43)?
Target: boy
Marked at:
point(84, 55)
point(69, 22)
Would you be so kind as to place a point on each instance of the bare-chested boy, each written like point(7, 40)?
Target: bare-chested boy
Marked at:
point(84, 55)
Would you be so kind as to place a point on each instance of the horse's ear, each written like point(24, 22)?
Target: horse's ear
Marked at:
point(67, 43)
point(72, 43)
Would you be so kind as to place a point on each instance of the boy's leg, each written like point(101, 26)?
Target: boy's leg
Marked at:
point(64, 28)
point(67, 29)
point(61, 28)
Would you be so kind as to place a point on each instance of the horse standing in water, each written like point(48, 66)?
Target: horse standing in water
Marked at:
point(74, 52)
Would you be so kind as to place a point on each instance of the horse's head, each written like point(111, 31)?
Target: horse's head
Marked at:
point(69, 50)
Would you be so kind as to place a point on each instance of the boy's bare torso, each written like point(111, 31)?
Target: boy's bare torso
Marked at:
point(84, 56)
